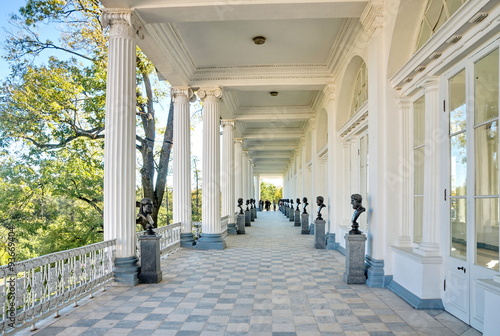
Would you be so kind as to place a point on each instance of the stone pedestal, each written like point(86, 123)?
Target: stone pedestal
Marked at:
point(291, 217)
point(255, 212)
point(319, 234)
point(240, 224)
point(296, 218)
point(311, 228)
point(287, 212)
point(355, 259)
point(247, 218)
point(231, 229)
point(150, 259)
point(252, 215)
point(305, 223)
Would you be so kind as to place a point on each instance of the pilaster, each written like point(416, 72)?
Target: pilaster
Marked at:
point(429, 245)
point(238, 169)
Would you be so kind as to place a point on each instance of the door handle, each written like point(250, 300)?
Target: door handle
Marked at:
point(462, 269)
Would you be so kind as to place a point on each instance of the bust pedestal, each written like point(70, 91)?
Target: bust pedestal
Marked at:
point(150, 259)
point(296, 218)
point(305, 223)
point(247, 218)
point(355, 259)
point(319, 234)
point(240, 224)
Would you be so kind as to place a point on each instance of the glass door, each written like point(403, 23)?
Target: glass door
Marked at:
point(474, 239)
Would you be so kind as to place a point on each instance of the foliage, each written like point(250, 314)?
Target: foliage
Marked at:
point(270, 192)
point(52, 110)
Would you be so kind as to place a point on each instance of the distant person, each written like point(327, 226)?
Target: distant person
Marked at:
point(274, 206)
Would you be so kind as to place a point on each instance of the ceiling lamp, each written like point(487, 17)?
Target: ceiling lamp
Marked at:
point(273, 93)
point(258, 40)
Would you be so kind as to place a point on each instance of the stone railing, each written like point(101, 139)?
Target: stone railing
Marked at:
point(33, 289)
point(170, 238)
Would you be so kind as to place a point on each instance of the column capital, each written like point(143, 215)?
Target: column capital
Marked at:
point(403, 102)
point(121, 22)
point(227, 122)
point(430, 84)
point(212, 94)
point(329, 91)
point(238, 141)
point(180, 93)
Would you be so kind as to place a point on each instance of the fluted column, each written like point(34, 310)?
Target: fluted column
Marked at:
point(430, 245)
point(211, 225)
point(251, 180)
point(182, 163)
point(228, 171)
point(119, 145)
point(238, 169)
point(245, 171)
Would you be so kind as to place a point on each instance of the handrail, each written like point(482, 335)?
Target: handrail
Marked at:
point(35, 288)
point(170, 238)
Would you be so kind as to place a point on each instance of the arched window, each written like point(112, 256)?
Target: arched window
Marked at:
point(360, 93)
point(437, 12)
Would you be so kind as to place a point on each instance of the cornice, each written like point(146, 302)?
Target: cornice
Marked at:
point(372, 17)
point(445, 44)
point(173, 48)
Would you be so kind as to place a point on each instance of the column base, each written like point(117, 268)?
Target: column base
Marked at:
point(331, 244)
point(374, 272)
point(187, 240)
point(231, 229)
point(211, 241)
point(126, 271)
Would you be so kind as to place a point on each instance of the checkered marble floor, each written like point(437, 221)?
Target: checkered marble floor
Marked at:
point(269, 282)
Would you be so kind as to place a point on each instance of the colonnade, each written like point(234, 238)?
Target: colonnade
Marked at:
point(234, 177)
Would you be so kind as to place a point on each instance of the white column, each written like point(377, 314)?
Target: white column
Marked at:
point(182, 163)
point(257, 188)
point(403, 239)
point(238, 168)
point(245, 171)
point(211, 225)
point(119, 152)
point(250, 181)
point(429, 245)
point(228, 199)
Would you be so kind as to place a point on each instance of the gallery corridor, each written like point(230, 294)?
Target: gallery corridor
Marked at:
point(270, 281)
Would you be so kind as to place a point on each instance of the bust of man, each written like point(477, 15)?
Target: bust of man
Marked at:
point(240, 205)
point(291, 204)
point(298, 202)
point(247, 203)
point(319, 203)
point(144, 217)
point(304, 201)
point(356, 200)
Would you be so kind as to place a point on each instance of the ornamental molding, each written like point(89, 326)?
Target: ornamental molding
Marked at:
point(373, 16)
point(122, 23)
point(355, 123)
point(437, 53)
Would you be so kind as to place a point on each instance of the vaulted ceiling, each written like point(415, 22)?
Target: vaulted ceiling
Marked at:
point(210, 43)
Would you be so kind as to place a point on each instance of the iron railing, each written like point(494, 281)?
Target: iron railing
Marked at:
point(170, 238)
point(33, 289)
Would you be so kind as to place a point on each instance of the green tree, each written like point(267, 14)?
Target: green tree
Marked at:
point(52, 112)
point(49, 106)
point(270, 192)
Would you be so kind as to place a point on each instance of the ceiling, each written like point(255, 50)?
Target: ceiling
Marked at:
point(209, 43)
